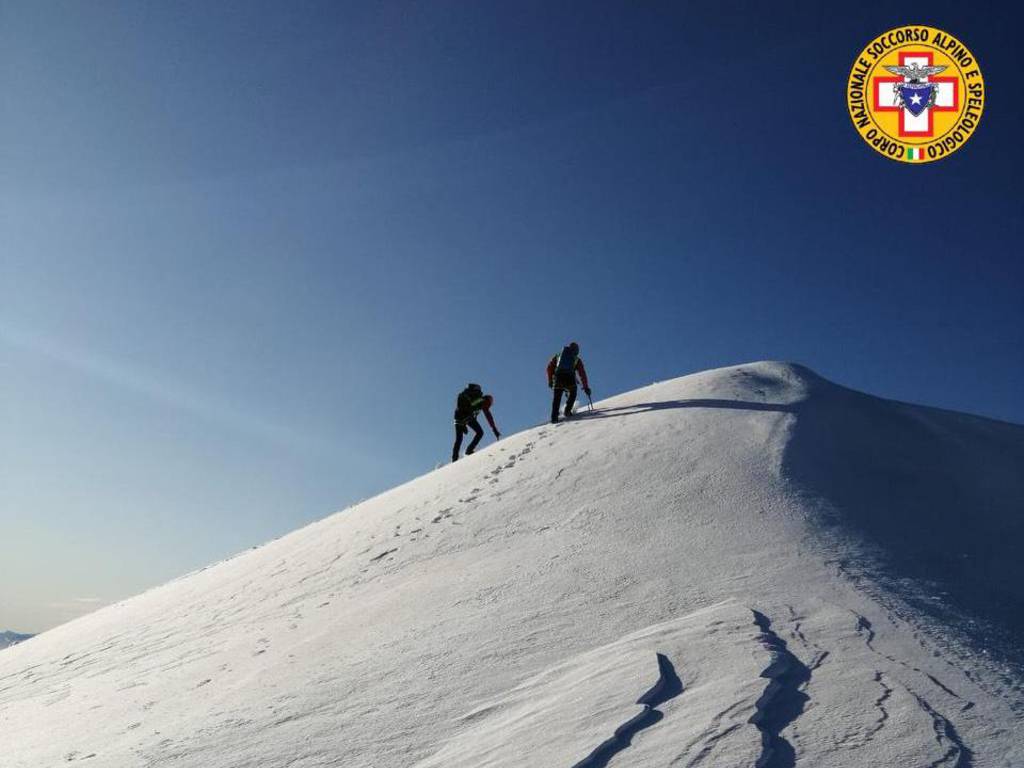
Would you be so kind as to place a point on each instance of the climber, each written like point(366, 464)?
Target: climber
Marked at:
point(469, 403)
point(562, 371)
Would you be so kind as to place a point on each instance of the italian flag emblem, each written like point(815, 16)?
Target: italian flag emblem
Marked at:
point(915, 153)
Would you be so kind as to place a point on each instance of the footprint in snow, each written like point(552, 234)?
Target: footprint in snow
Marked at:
point(443, 514)
point(383, 554)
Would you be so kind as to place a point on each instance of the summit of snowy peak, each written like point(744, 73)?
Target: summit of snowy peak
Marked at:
point(766, 381)
point(709, 570)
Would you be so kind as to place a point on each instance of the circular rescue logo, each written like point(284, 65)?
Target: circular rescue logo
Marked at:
point(916, 94)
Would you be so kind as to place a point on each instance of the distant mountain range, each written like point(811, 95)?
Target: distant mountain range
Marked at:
point(7, 639)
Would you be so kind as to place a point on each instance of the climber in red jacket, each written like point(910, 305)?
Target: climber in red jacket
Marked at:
point(562, 371)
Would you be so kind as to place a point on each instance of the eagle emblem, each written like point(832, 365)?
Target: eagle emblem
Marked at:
point(912, 94)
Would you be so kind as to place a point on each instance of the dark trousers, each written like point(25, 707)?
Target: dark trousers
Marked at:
point(462, 428)
point(567, 384)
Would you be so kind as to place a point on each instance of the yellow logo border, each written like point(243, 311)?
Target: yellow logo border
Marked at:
point(860, 98)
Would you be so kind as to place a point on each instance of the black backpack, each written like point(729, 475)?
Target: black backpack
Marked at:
point(464, 402)
point(566, 365)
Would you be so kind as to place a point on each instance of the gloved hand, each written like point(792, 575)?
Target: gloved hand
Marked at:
point(551, 383)
point(587, 390)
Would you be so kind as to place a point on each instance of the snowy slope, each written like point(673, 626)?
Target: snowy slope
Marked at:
point(748, 566)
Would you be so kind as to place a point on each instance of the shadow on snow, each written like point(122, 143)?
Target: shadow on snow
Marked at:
point(738, 405)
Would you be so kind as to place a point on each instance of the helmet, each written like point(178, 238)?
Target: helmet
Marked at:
point(574, 346)
point(474, 387)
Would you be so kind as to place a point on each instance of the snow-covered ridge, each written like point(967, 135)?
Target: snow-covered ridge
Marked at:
point(710, 571)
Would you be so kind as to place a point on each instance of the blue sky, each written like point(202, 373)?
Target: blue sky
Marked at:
point(251, 251)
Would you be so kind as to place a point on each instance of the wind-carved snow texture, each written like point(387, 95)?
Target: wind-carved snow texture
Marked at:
point(668, 687)
point(559, 715)
point(955, 753)
point(879, 704)
point(783, 700)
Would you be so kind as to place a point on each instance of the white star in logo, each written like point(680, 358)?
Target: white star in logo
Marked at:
point(915, 99)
